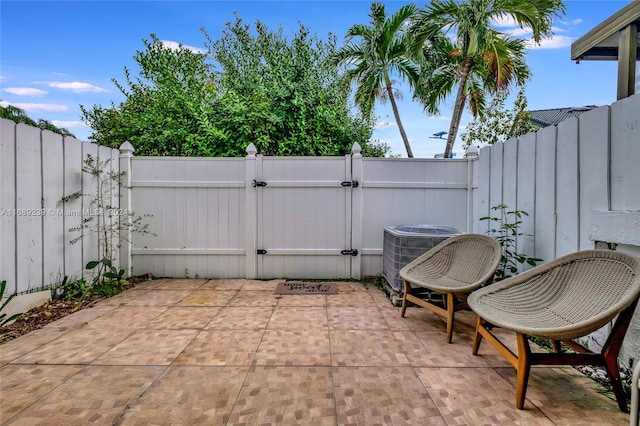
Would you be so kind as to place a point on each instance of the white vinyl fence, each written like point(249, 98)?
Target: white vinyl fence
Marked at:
point(578, 181)
point(294, 217)
point(37, 169)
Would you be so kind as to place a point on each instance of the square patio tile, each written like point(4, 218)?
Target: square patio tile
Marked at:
point(207, 298)
point(76, 347)
point(568, 397)
point(222, 347)
point(298, 318)
point(178, 284)
point(477, 396)
point(188, 396)
point(357, 299)
point(257, 285)
point(294, 348)
point(20, 387)
point(286, 395)
point(21, 346)
point(318, 300)
point(81, 318)
point(148, 347)
point(393, 318)
point(241, 318)
point(125, 297)
point(96, 395)
point(223, 284)
point(127, 317)
point(364, 348)
point(355, 318)
point(430, 349)
point(254, 298)
point(184, 317)
point(420, 319)
point(390, 395)
point(159, 298)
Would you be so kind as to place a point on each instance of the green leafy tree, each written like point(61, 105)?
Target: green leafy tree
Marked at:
point(167, 106)
point(376, 53)
point(481, 59)
point(287, 97)
point(283, 95)
point(498, 124)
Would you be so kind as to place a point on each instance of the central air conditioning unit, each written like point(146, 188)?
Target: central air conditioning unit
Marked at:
point(401, 245)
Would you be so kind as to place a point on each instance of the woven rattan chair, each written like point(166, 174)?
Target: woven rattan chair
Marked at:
point(453, 268)
point(567, 298)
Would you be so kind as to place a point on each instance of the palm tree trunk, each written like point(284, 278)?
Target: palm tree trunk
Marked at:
point(397, 116)
point(459, 107)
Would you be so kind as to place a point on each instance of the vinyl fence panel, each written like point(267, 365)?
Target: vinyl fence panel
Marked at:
point(8, 204)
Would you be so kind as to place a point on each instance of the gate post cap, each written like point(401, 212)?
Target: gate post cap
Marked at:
point(126, 150)
point(472, 151)
point(356, 149)
point(251, 150)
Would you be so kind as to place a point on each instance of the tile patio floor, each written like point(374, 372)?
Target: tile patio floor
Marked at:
point(231, 352)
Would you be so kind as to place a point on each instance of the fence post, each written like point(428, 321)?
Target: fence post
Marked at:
point(126, 154)
point(356, 211)
point(251, 213)
point(472, 153)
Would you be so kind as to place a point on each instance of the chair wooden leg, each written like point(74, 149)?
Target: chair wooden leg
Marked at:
point(478, 338)
point(451, 310)
point(610, 354)
point(557, 346)
point(524, 366)
point(407, 290)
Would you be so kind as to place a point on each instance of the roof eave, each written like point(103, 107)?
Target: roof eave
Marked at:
point(586, 47)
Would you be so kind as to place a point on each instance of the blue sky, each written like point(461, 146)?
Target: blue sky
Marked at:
point(57, 55)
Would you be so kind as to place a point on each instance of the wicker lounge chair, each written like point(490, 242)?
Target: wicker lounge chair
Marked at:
point(561, 300)
point(453, 268)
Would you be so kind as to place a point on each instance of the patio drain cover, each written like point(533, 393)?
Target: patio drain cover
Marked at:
point(296, 287)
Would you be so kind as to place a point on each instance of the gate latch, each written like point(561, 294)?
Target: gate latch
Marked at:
point(351, 183)
point(261, 251)
point(258, 183)
point(352, 252)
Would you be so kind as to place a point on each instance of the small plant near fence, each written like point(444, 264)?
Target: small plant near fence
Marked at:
point(505, 228)
point(3, 316)
point(111, 225)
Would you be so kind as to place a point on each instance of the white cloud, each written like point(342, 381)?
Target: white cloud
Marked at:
point(76, 86)
point(573, 22)
point(25, 91)
point(174, 45)
point(505, 21)
point(381, 124)
point(554, 42)
point(27, 106)
point(69, 124)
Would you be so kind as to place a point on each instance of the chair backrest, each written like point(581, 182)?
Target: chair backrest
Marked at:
point(592, 285)
point(568, 297)
point(467, 258)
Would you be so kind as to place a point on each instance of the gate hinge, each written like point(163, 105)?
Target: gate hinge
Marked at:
point(352, 183)
point(258, 183)
point(260, 251)
point(352, 252)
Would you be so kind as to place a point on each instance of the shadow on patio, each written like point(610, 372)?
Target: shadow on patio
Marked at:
point(232, 352)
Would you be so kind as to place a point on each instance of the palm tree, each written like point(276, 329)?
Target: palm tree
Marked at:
point(379, 55)
point(479, 59)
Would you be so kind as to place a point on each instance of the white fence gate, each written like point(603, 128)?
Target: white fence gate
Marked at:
point(304, 217)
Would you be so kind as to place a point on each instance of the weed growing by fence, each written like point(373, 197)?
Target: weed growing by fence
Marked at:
point(505, 228)
point(111, 224)
point(3, 316)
